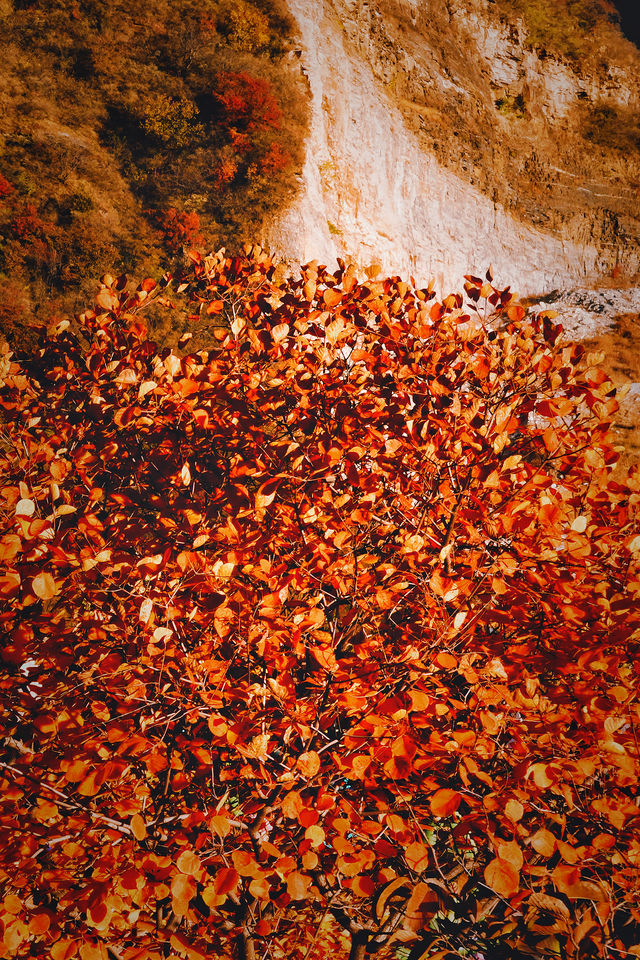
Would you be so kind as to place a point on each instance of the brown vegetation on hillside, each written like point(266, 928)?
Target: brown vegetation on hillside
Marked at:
point(132, 129)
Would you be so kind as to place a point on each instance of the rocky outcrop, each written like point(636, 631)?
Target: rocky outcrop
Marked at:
point(382, 188)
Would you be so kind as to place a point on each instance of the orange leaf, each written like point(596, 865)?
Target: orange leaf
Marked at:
point(502, 877)
point(12, 904)
point(514, 810)
point(226, 880)
point(9, 546)
point(77, 771)
point(245, 863)
point(63, 949)
point(511, 853)
point(259, 888)
point(39, 924)
point(446, 661)
point(138, 827)
point(220, 825)
point(183, 887)
point(544, 842)
point(189, 863)
point(417, 856)
point(331, 297)
point(445, 802)
point(297, 885)
point(292, 805)
point(91, 784)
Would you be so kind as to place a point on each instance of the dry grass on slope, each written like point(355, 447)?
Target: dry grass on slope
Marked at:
point(130, 131)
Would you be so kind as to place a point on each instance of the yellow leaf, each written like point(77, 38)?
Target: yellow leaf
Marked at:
point(146, 608)
point(514, 810)
point(280, 331)
point(259, 747)
point(44, 586)
point(334, 330)
point(634, 546)
point(315, 834)
point(309, 763)
point(266, 494)
point(459, 619)
point(146, 387)
point(127, 377)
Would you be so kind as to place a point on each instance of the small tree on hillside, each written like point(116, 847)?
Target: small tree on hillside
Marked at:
point(321, 641)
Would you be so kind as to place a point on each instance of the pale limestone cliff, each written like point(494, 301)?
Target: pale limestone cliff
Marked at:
point(373, 192)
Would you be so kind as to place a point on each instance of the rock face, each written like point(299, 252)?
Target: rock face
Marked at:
point(388, 183)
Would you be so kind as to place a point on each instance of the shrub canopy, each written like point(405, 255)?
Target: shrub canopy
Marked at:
point(322, 640)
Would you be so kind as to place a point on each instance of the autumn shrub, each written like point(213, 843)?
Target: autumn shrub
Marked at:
point(276, 159)
point(245, 27)
point(565, 27)
point(321, 638)
point(247, 103)
point(6, 188)
point(37, 238)
point(610, 126)
point(28, 225)
point(225, 170)
point(178, 228)
point(171, 121)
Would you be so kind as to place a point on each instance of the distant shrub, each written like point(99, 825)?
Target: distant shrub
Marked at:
point(512, 107)
point(565, 26)
point(25, 183)
point(246, 28)
point(15, 303)
point(80, 202)
point(179, 229)
point(276, 159)
point(28, 225)
point(247, 103)
point(609, 126)
point(225, 171)
point(6, 188)
point(171, 121)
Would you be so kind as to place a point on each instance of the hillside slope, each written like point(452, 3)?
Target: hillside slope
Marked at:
point(131, 130)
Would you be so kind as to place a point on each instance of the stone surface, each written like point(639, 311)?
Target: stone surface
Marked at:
point(372, 193)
